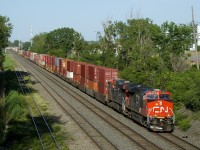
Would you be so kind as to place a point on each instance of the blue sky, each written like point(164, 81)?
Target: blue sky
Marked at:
point(87, 16)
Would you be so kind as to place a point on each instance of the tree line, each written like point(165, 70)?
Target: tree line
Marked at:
point(143, 52)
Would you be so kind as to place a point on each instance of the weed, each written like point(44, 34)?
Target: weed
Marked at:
point(183, 122)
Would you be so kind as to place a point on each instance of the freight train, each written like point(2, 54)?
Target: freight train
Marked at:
point(152, 108)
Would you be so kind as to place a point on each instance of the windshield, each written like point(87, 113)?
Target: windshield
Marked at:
point(152, 96)
point(165, 96)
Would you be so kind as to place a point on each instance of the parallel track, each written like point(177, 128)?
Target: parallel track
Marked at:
point(25, 90)
point(176, 141)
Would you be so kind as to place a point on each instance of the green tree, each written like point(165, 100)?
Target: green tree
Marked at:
point(65, 40)
point(173, 43)
point(108, 45)
point(38, 43)
point(15, 43)
point(91, 53)
point(137, 53)
point(5, 32)
point(185, 88)
point(78, 44)
point(62, 38)
point(26, 45)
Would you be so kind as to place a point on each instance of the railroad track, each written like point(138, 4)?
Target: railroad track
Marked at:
point(39, 115)
point(177, 142)
point(125, 130)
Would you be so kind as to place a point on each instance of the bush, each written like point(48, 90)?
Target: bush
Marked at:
point(183, 86)
point(183, 122)
point(2, 120)
point(14, 106)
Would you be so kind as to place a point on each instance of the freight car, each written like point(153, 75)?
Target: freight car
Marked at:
point(151, 108)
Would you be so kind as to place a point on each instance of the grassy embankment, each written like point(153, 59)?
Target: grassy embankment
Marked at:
point(16, 127)
point(185, 118)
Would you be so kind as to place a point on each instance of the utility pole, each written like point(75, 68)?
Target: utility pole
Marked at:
point(19, 44)
point(31, 41)
point(31, 35)
point(195, 38)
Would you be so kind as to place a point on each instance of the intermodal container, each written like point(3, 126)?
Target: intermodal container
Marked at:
point(46, 61)
point(102, 88)
point(70, 65)
point(114, 73)
point(36, 58)
point(57, 64)
point(83, 81)
point(105, 74)
point(93, 73)
point(42, 59)
point(93, 85)
point(28, 54)
point(51, 63)
point(84, 70)
point(60, 67)
point(64, 67)
point(77, 68)
point(76, 78)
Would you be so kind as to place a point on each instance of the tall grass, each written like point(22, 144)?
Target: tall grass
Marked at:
point(15, 107)
point(2, 120)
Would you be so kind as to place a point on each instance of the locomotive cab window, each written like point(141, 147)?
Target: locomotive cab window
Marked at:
point(152, 96)
point(165, 96)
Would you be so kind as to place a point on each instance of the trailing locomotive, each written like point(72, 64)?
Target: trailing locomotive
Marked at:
point(151, 108)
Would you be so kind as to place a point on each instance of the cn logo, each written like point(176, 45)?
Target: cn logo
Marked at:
point(157, 109)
